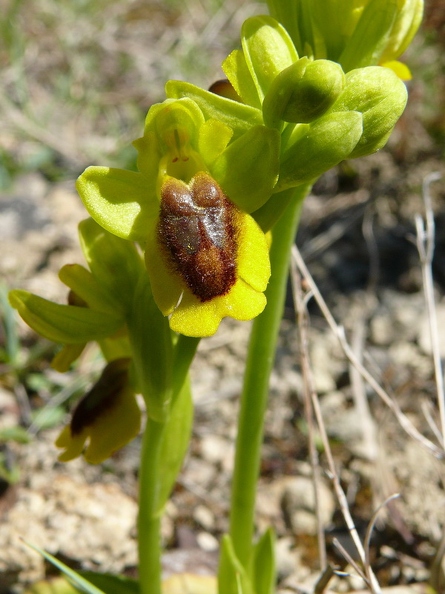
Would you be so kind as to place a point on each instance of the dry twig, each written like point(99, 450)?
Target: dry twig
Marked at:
point(339, 331)
point(425, 245)
point(310, 394)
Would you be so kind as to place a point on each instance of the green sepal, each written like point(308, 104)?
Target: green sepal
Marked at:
point(214, 136)
point(302, 92)
point(107, 582)
point(116, 347)
point(331, 23)
point(236, 115)
point(248, 169)
point(66, 324)
point(175, 442)
point(232, 577)
point(236, 69)
point(268, 215)
point(317, 147)
point(371, 34)
point(82, 282)
point(63, 360)
point(151, 341)
point(268, 50)
point(173, 114)
point(405, 27)
point(263, 565)
point(380, 96)
point(122, 202)
point(114, 262)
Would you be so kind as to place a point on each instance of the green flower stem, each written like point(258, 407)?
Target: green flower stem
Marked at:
point(149, 518)
point(254, 398)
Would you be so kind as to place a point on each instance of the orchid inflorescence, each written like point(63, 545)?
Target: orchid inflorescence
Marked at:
point(189, 237)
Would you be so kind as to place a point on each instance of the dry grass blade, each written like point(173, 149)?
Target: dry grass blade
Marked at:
point(437, 578)
point(403, 420)
point(349, 559)
point(371, 527)
point(302, 325)
point(310, 393)
point(425, 246)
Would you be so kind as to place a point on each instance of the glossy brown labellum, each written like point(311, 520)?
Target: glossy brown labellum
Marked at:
point(197, 231)
point(225, 89)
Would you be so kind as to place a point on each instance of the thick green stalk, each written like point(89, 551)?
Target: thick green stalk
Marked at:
point(254, 397)
point(149, 518)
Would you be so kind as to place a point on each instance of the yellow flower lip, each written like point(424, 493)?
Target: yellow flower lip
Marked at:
point(206, 258)
point(105, 419)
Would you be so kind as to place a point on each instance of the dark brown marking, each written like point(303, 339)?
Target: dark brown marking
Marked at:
point(197, 231)
point(225, 89)
point(102, 395)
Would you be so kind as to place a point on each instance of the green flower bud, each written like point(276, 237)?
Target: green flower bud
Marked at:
point(380, 96)
point(302, 92)
point(354, 33)
point(315, 148)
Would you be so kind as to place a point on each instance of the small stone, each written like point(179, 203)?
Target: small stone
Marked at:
point(286, 557)
point(207, 542)
point(203, 516)
point(382, 329)
point(215, 449)
point(298, 504)
point(424, 337)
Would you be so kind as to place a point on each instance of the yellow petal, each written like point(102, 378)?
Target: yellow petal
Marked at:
point(114, 428)
point(242, 302)
point(165, 285)
point(73, 445)
point(66, 356)
point(106, 418)
point(194, 318)
point(401, 69)
point(253, 254)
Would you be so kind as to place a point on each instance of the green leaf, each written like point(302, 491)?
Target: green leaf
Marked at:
point(82, 584)
point(264, 576)
point(66, 324)
point(17, 434)
point(112, 584)
point(7, 317)
point(48, 417)
point(175, 442)
point(248, 169)
point(114, 262)
point(9, 474)
point(236, 115)
point(268, 50)
point(122, 202)
point(58, 585)
point(317, 147)
point(232, 577)
point(151, 341)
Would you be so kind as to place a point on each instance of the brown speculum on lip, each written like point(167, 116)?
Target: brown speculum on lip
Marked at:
point(197, 231)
